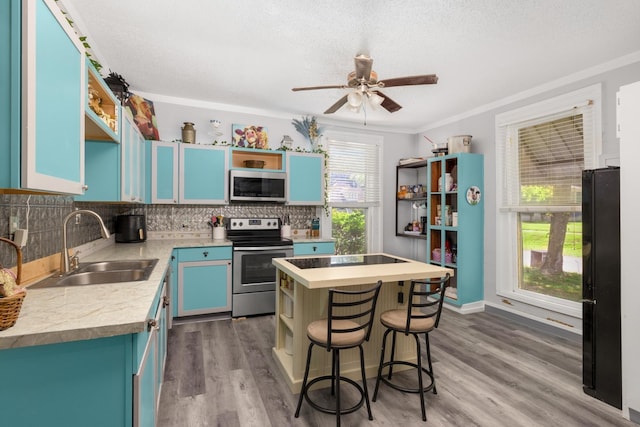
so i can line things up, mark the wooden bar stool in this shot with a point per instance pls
(348, 325)
(421, 316)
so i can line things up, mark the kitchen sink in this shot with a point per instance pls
(101, 272)
(137, 264)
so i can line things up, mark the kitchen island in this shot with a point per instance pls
(302, 297)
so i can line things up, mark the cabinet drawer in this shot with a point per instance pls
(204, 254)
(314, 248)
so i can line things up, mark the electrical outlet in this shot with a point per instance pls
(20, 238)
(13, 224)
(77, 219)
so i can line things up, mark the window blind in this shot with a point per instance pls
(353, 173)
(544, 159)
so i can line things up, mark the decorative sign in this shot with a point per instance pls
(144, 116)
(473, 195)
(250, 136)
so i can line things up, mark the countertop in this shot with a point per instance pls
(54, 315)
(317, 278)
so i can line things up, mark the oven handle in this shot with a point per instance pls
(262, 248)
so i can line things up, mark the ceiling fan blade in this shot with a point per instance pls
(337, 105)
(295, 89)
(363, 67)
(427, 79)
(388, 104)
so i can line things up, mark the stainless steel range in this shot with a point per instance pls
(256, 241)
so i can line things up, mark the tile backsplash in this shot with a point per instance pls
(42, 215)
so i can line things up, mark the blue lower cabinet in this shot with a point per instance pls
(174, 283)
(314, 248)
(144, 384)
(150, 349)
(70, 384)
(102, 382)
(204, 280)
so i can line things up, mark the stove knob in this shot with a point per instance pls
(240, 223)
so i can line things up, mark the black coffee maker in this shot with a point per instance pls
(423, 222)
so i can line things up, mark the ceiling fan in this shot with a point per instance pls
(366, 86)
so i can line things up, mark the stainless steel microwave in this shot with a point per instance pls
(257, 186)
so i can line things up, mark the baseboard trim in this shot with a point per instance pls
(474, 307)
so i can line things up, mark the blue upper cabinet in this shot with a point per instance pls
(116, 172)
(44, 116)
(164, 172)
(203, 174)
(10, 90)
(188, 173)
(132, 172)
(305, 178)
(53, 79)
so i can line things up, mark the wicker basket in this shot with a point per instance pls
(10, 306)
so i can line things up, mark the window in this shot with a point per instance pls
(542, 150)
(354, 185)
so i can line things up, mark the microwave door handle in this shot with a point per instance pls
(262, 248)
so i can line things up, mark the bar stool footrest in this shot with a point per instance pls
(333, 410)
(389, 382)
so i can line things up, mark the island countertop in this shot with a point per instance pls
(318, 278)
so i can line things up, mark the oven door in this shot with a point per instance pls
(253, 270)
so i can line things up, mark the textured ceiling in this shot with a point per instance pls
(250, 53)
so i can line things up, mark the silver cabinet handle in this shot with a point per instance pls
(152, 324)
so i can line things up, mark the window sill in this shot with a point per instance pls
(558, 305)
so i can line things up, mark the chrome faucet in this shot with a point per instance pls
(64, 255)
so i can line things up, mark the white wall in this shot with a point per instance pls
(482, 127)
(629, 208)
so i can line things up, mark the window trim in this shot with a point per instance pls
(507, 251)
(374, 214)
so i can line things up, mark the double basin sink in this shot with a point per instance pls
(101, 272)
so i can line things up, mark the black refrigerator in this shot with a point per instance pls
(601, 329)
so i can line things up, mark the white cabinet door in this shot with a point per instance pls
(203, 174)
(306, 178)
(164, 172)
(132, 151)
(53, 94)
(147, 381)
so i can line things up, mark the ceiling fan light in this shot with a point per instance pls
(354, 99)
(354, 109)
(375, 99)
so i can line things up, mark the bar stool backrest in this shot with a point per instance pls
(425, 305)
(340, 300)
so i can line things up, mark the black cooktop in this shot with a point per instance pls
(343, 261)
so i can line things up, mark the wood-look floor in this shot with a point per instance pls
(490, 371)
